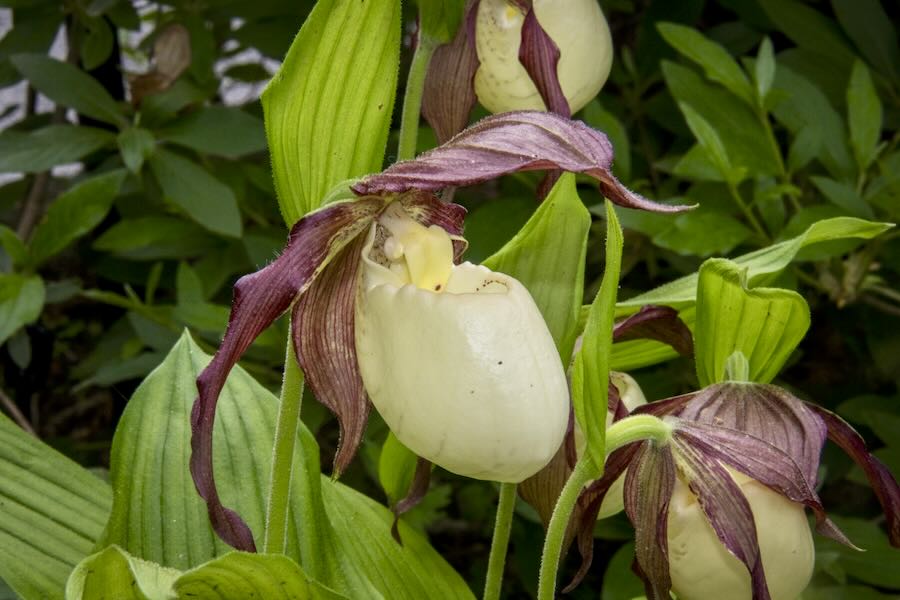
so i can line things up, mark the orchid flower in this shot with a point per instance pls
(381, 309)
(719, 510)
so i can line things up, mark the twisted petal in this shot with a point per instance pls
(509, 143)
(648, 490)
(766, 412)
(660, 323)
(883, 483)
(539, 54)
(259, 299)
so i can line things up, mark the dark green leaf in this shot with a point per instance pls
(494, 223)
(97, 43)
(594, 115)
(810, 29)
(875, 566)
(439, 19)
(75, 213)
(764, 72)
(51, 512)
(67, 85)
(13, 246)
(702, 234)
(328, 108)
(712, 144)
(49, 146)
(136, 145)
(864, 115)
(873, 32)
(204, 198)
(718, 65)
(21, 301)
(844, 196)
(619, 582)
(152, 238)
(219, 130)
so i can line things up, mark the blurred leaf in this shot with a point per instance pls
(439, 19)
(702, 234)
(396, 466)
(810, 29)
(204, 198)
(806, 145)
(763, 324)
(875, 566)
(114, 573)
(873, 32)
(136, 145)
(21, 302)
(844, 592)
(718, 65)
(712, 144)
(151, 238)
(494, 223)
(844, 196)
(13, 246)
(549, 264)
(864, 115)
(41, 149)
(619, 582)
(746, 143)
(36, 26)
(74, 214)
(328, 109)
(219, 130)
(124, 15)
(51, 512)
(160, 107)
(760, 264)
(590, 369)
(69, 86)
(764, 72)
(96, 44)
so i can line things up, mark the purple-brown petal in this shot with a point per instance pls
(883, 483)
(509, 143)
(649, 483)
(259, 299)
(725, 506)
(766, 412)
(660, 323)
(539, 54)
(763, 462)
(324, 341)
(449, 93)
(417, 490)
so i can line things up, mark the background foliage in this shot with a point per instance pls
(136, 188)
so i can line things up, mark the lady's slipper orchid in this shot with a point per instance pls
(456, 358)
(319, 273)
(563, 46)
(746, 456)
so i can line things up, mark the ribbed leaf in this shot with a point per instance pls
(547, 256)
(340, 537)
(51, 512)
(328, 109)
(764, 324)
(113, 573)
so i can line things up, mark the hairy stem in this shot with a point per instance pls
(283, 454)
(412, 99)
(499, 544)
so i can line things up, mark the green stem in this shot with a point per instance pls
(500, 542)
(621, 433)
(748, 212)
(283, 454)
(412, 99)
(584, 471)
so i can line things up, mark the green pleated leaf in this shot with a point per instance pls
(204, 198)
(717, 63)
(21, 302)
(41, 149)
(75, 213)
(590, 370)
(328, 109)
(340, 537)
(69, 86)
(51, 512)
(763, 324)
(760, 263)
(113, 573)
(238, 575)
(547, 256)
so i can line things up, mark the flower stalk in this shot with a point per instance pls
(500, 542)
(283, 454)
(412, 98)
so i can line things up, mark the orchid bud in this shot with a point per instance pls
(577, 27)
(456, 358)
(701, 567)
